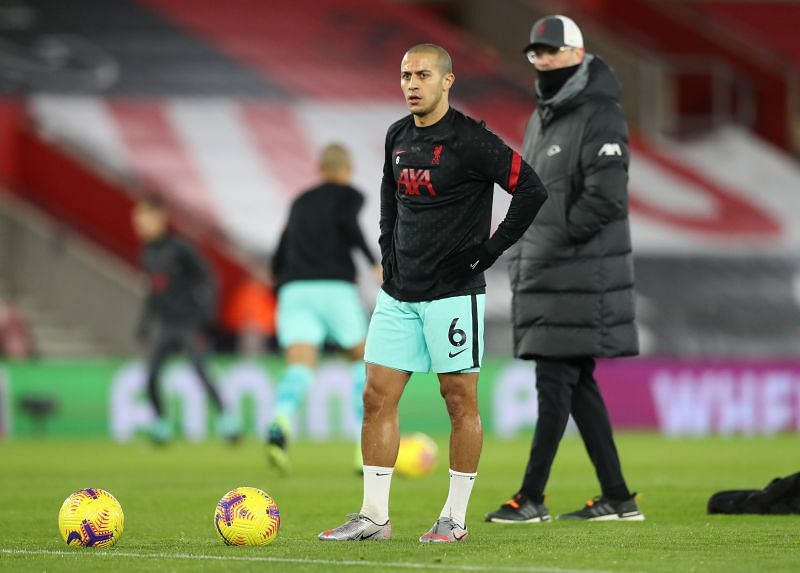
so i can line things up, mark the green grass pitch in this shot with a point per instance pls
(169, 496)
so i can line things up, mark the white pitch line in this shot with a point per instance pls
(389, 564)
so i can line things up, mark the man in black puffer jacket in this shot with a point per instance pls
(572, 273)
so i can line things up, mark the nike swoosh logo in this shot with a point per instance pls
(400, 152)
(373, 534)
(388, 474)
(454, 354)
(457, 538)
(475, 264)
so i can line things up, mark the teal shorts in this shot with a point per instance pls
(311, 312)
(444, 335)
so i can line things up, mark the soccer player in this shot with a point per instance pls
(179, 306)
(317, 296)
(436, 196)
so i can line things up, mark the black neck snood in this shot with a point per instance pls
(551, 81)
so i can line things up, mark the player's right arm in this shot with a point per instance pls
(388, 210)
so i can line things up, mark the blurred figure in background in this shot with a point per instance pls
(318, 298)
(572, 273)
(179, 307)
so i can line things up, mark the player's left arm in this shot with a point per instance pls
(604, 163)
(193, 264)
(278, 263)
(490, 158)
(201, 277)
(506, 167)
(351, 227)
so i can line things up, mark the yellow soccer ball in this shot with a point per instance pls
(91, 517)
(247, 516)
(417, 456)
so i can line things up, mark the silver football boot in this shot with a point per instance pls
(358, 528)
(445, 530)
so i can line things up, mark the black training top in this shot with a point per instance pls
(436, 201)
(320, 235)
(182, 288)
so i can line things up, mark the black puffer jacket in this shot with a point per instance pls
(572, 271)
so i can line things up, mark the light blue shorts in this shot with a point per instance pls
(311, 312)
(444, 335)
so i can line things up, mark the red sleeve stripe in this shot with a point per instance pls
(513, 175)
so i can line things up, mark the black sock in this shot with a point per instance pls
(618, 493)
(535, 498)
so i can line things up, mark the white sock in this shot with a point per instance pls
(457, 500)
(377, 481)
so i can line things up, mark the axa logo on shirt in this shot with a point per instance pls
(610, 149)
(411, 180)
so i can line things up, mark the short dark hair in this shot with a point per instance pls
(442, 56)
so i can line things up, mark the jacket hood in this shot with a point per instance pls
(593, 80)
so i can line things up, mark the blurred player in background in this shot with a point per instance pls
(318, 297)
(439, 173)
(572, 274)
(178, 308)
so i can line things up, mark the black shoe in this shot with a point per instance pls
(276, 436)
(606, 509)
(520, 509)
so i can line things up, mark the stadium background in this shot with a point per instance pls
(222, 112)
(221, 108)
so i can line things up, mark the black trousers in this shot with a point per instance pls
(567, 386)
(172, 339)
